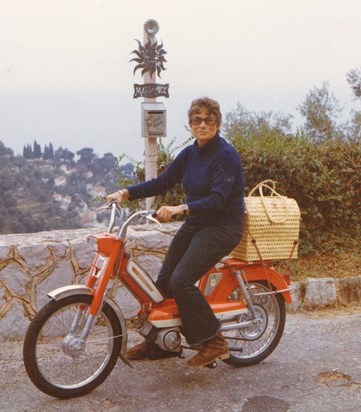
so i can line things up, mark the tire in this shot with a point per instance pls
(252, 345)
(59, 369)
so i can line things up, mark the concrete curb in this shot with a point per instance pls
(322, 293)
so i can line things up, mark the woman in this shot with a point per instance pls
(211, 172)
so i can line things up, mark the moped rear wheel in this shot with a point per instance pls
(251, 345)
(57, 361)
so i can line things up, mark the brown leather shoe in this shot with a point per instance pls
(215, 348)
(149, 350)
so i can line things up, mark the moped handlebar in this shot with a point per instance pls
(148, 214)
(117, 211)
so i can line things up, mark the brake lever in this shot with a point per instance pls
(152, 217)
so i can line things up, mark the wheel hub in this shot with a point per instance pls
(259, 324)
(73, 346)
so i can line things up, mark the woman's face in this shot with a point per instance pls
(204, 126)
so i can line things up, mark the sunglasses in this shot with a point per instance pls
(209, 121)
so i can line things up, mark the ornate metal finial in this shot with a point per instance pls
(150, 58)
(151, 27)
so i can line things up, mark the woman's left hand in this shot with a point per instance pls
(167, 213)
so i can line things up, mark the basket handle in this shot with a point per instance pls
(266, 184)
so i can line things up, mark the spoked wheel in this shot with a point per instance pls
(252, 344)
(56, 359)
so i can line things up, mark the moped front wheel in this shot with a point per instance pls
(252, 344)
(57, 360)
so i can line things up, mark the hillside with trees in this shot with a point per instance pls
(47, 189)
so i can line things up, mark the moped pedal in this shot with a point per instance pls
(211, 365)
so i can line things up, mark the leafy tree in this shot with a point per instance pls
(28, 152)
(37, 151)
(5, 151)
(321, 109)
(86, 156)
(106, 164)
(19, 161)
(127, 170)
(354, 80)
(63, 156)
(48, 152)
(354, 126)
(51, 151)
(249, 125)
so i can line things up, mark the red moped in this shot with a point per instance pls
(75, 340)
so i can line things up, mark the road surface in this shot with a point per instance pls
(316, 367)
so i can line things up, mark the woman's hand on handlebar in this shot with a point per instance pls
(118, 196)
(167, 213)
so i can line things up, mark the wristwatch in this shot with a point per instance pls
(185, 209)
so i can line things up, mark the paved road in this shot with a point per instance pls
(316, 367)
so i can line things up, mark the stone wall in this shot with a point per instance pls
(33, 264)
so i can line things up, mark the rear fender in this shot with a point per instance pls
(72, 290)
(265, 273)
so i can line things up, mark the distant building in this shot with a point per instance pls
(57, 197)
(65, 202)
(60, 181)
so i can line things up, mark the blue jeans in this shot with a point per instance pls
(192, 252)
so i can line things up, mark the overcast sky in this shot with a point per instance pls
(66, 75)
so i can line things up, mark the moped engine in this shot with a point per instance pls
(169, 339)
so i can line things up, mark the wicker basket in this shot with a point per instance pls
(271, 226)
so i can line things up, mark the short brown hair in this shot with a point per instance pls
(205, 103)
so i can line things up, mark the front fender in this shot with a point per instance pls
(69, 290)
(72, 290)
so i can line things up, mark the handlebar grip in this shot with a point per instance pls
(155, 215)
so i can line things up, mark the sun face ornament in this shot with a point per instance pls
(150, 58)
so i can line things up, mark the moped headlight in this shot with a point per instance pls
(93, 244)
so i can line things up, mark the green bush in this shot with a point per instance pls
(323, 178)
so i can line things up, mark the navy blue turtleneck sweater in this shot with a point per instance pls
(212, 177)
